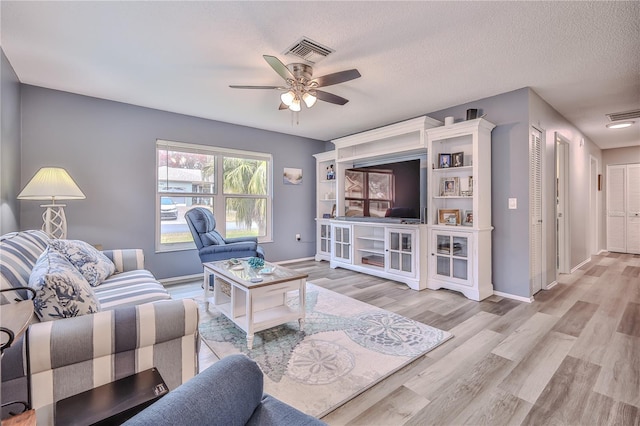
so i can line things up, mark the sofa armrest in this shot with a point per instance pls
(72, 355)
(126, 259)
(225, 394)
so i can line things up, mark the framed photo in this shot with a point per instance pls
(457, 159)
(468, 218)
(449, 217)
(450, 187)
(444, 161)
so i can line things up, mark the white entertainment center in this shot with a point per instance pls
(449, 244)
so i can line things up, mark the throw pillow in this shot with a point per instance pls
(61, 290)
(94, 266)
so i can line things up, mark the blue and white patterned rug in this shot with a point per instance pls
(347, 346)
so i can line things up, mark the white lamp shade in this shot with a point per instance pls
(287, 97)
(51, 183)
(295, 105)
(309, 99)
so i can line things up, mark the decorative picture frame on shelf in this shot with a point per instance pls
(444, 161)
(449, 217)
(466, 187)
(450, 187)
(457, 159)
(468, 218)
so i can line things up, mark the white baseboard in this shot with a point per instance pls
(513, 296)
(581, 265)
(551, 285)
(180, 280)
(602, 251)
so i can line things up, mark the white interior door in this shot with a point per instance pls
(616, 208)
(535, 211)
(633, 208)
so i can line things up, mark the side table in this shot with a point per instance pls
(14, 322)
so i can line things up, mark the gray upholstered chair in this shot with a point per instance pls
(211, 245)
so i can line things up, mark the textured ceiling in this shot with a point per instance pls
(583, 58)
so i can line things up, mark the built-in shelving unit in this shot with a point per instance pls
(459, 208)
(325, 202)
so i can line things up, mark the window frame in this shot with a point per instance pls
(217, 194)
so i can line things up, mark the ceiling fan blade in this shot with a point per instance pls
(282, 106)
(336, 77)
(258, 87)
(330, 97)
(279, 67)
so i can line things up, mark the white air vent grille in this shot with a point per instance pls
(309, 50)
(627, 115)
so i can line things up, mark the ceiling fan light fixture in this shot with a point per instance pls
(620, 124)
(309, 99)
(295, 104)
(288, 97)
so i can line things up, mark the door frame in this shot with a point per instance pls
(562, 205)
(594, 206)
(543, 223)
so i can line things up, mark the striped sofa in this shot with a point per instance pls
(138, 327)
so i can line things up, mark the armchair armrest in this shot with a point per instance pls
(241, 240)
(73, 355)
(126, 259)
(229, 248)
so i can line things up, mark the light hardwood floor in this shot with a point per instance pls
(572, 357)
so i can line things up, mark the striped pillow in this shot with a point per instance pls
(19, 252)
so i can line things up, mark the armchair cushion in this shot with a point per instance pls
(61, 291)
(94, 266)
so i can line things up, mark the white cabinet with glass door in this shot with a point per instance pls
(326, 177)
(341, 244)
(401, 248)
(323, 250)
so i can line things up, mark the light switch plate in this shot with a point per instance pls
(513, 203)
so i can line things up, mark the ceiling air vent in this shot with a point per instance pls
(309, 50)
(628, 115)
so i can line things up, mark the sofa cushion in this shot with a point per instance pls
(19, 253)
(61, 291)
(130, 289)
(94, 266)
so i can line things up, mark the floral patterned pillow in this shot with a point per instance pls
(94, 266)
(61, 291)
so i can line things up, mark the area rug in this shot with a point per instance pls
(346, 347)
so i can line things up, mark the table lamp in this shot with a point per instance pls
(52, 183)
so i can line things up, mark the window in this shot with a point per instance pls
(234, 185)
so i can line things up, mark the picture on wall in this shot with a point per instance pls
(292, 176)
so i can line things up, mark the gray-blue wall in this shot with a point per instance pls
(109, 150)
(509, 179)
(9, 146)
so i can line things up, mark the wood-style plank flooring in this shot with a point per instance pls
(572, 357)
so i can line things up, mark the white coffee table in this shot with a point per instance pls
(254, 306)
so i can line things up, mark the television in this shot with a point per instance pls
(407, 188)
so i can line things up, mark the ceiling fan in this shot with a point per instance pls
(301, 86)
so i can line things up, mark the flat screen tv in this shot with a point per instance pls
(373, 189)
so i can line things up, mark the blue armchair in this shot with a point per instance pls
(211, 245)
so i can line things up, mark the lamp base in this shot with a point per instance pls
(54, 221)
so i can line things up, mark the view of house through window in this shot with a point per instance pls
(234, 185)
